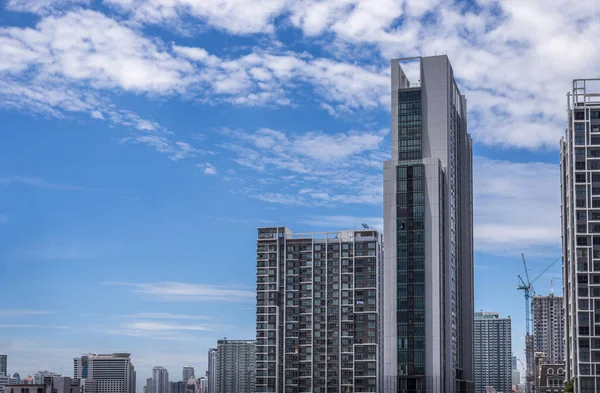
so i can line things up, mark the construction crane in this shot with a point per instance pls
(529, 292)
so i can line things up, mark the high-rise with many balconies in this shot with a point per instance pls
(580, 194)
(236, 366)
(493, 349)
(549, 328)
(428, 229)
(318, 311)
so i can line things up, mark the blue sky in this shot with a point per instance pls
(144, 141)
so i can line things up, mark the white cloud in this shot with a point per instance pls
(209, 169)
(161, 326)
(23, 312)
(178, 291)
(233, 16)
(327, 168)
(517, 206)
(41, 183)
(41, 6)
(343, 222)
(164, 315)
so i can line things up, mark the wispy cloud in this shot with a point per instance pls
(164, 315)
(41, 183)
(31, 326)
(516, 207)
(178, 291)
(3, 219)
(162, 326)
(22, 312)
(343, 222)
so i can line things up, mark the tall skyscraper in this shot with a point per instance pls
(160, 380)
(549, 328)
(580, 193)
(492, 352)
(236, 366)
(104, 373)
(148, 387)
(212, 370)
(3, 364)
(318, 311)
(428, 229)
(187, 373)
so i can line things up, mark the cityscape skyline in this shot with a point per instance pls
(119, 221)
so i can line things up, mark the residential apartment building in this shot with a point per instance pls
(428, 229)
(318, 311)
(580, 194)
(236, 366)
(549, 328)
(493, 349)
(160, 380)
(212, 370)
(105, 373)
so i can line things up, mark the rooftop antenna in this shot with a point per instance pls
(365, 226)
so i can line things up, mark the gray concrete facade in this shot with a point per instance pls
(434, 222)
(212, 370)
(318, 325)
(580, 208)
(493, 350)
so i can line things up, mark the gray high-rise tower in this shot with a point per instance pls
(580, 197)
(492, 352)
(428, 229)
(160, 380)
(318, 311)
(549, 328)
(3, 363)
(212, 370)
(187, 373)
(236, 366)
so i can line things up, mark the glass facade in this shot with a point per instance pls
(410, 208)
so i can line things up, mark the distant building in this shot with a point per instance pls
(212, 370)
(549, 328)
(177, 387)
(492, 352)
(202, 385)
(236, 366)
(132, 379)
(514, 362)
(3, 364)
(28, 380)
(105, 373)
(187, 373)
(17, 378)
(6, 380)
(52, 385)
(148, 387)
(40, 376)
(516, 377)
(160, 380)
